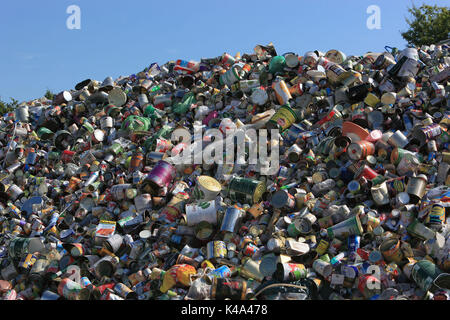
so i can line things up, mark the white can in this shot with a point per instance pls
(203, 211)
(322, 267)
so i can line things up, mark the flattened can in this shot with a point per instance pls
(216, 250)
(244, 190)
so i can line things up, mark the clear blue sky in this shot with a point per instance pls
(38, 52)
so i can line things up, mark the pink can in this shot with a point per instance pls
(162, 174)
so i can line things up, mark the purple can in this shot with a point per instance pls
(209, 117)
(162, 174)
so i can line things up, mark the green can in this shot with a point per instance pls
(116, 149)
(244, 190)
(44, 133)
(424, 273)
(282, 119)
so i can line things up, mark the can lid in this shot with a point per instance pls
(353, 186)
(403, 198)
(279, 199)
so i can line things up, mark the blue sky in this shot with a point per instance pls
(38, 51)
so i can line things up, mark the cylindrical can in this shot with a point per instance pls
(113, 243)
(281, 91)
(436, 215)
(231, 76)
(206, 189)
(398, 139)
(390, 249)
(221, 272)
(230, 219)
(351, 226)
(15, 192)
(161, 175)
(203, 211)
(244, 190)
(380, 194)
(294, 153)
(282, 119)
(424, 273)
(118, 191)
(416, 187)
(250, 269)
(290, 272)
(322, 247)
(106, 122)
(424, 134)
(125, 292)
(69, 289)
(283, 199)
(353, 245)
(228, 289)
(137, 162)
(322, 267)
(216, 250)
(360, 150)
(420, 231)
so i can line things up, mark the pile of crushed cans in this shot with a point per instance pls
(92, 208)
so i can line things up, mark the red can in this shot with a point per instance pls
(67, 156)
(360, 150)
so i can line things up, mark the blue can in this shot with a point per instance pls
(229, 220)
(353, 245)
(221, 272)
(293, 133)
(50, 295)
